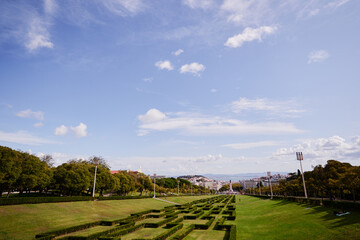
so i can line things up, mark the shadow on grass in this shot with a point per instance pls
(327, 214)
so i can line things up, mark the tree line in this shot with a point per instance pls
(335, 180)
(25, 173)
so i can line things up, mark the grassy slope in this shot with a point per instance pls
(266, 219)
(25, 221)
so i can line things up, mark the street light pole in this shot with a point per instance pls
(178, 186)
(96, 162)
(299, 157)
(269, 175)
(154, 185)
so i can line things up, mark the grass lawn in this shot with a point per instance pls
(205, 235)
(144, 233)
(276, 219)
(25, 221)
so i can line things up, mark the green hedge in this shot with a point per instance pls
(232, 235)
(184, 234)
(206, 225)
(34, 200)
(68, 230)
(126, 230)
(159, 224)
(169, 233)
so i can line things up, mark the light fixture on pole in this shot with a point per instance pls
(299, 157)
(259, 186)
(178, 186)
(269, 175)
(96, 162)
(154, 184)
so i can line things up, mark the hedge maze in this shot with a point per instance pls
(211, 218)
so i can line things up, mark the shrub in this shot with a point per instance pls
(232, 235)
(168, 233)
(185, 233)
(68, 230)
(206, 225)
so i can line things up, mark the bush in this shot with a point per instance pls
(168, 233)
(232, 235)
(184, 234)
(126, 230)
(206, 225)
(158, 224)
(33, 200)
(68, 230)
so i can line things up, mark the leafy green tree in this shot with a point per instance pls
(10, 169)
(126, 183)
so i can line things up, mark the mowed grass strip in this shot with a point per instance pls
(277, 219)
(25, 221)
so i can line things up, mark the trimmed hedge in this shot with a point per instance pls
(232, 235)
(184, 234)
(169, 233)
(126, 231)
(206, 225)
(67, 230)
(158, 224)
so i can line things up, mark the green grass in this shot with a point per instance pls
(276, 219)
(25, 221)
(205, 235)
(145, 233)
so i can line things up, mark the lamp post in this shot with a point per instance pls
(178, 186)
(269, 175)
(299, 157)
(154, 185)
(96, 162)
(191, 188)
(260, 186)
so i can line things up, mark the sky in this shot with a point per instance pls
(182, 86)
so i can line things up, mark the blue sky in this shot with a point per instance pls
(182, 87)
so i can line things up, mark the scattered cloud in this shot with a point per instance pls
(283, 108)
(50, 7)
(23, 137)
(337, 3)
(39, 124)
(334, 147)
(213, 90)
(194, 68)
(195, 124)
(38, 35)
(204, 4)
(124, 7)
(80, 130)
(61, 130)
(164, 65)
(28, 113)
(149, 80)
(248, 145)
(178, 52)
(317, 56)
(249, 34)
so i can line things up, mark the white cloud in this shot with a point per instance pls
(213, 90)
(248, 145)
(149, 80)
(178, 52)
(39, 124)
(80, 130)
(152, 115)
(124, 7)
(61, 130)
(50, 7)
(249, 34)
(283, 108)
(194, 68)
(338, 3)
(247, 12)
(317, 56)
(204, 4)
(28, 113)
(164, 65)
(23, 137)
(38, 35)
(334, 147)
(195, 124)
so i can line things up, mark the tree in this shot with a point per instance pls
(10, 169)
(73, 177)
(126, 183)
